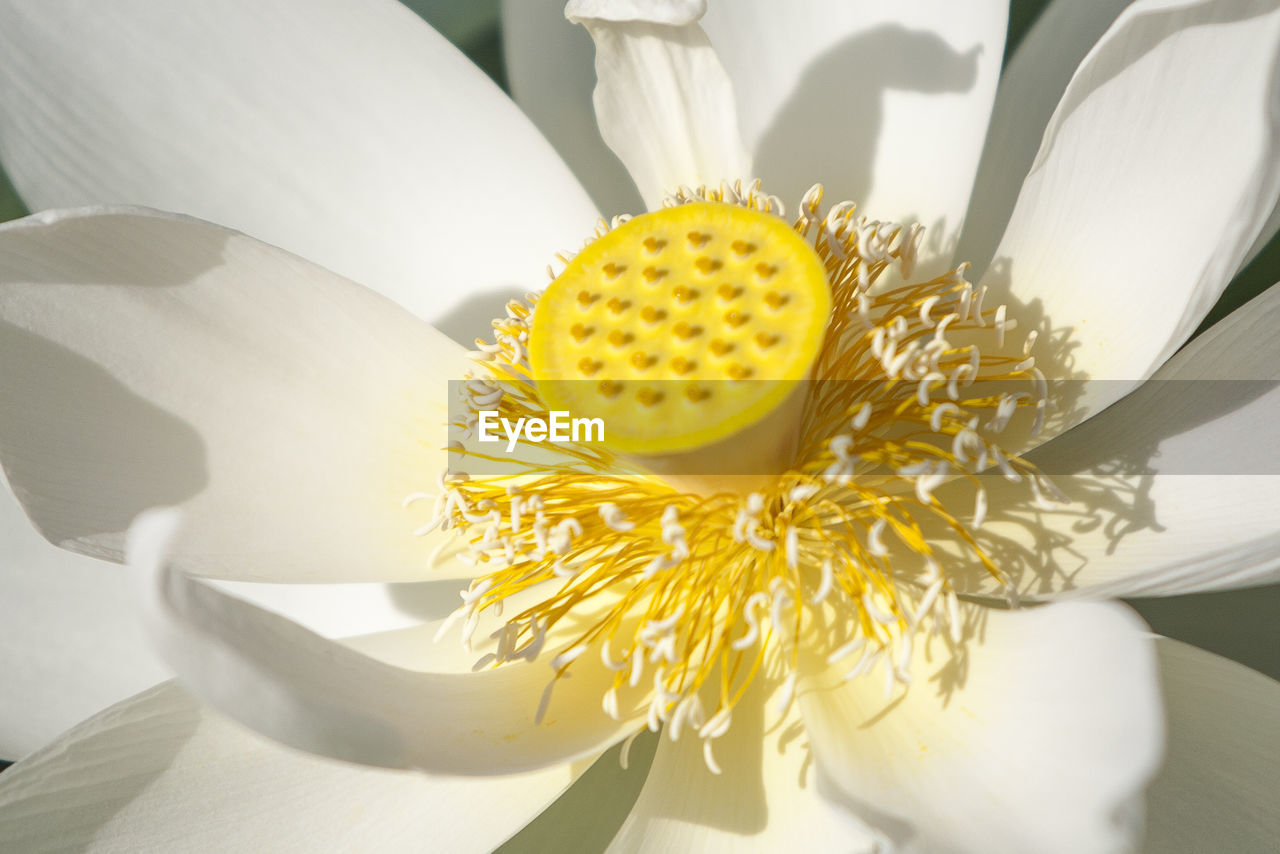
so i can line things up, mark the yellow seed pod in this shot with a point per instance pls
(681, 327)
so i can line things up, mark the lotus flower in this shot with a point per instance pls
(161, 360)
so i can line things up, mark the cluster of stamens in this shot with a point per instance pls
(696, 594)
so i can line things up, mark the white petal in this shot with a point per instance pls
(885, 104)
(1216, 791)
(1155, 177)
(346, 131)
(347, 610)
(851, 95)
(159, 772)
(551, 69)
(1031, 85)
(1174, 489)
(665, 105)
(1038, 739)
(436, 646)
(69, 643)
(671, 12)
(550, 65)
(156, 360)
(767, 798)
(299, 688)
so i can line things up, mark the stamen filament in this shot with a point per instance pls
(703, 594)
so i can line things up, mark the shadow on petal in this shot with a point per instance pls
(76, 399)
(861, 69)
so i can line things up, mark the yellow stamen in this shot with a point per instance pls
(691, 591)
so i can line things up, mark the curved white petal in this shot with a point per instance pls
(1216, 791)
(1157, 173)
(346, 131)
(550, 65)
(159, 772)
(674, 13)
(1039, 738)
(153, 360)
(663, 101)
(69, 643)
(354, 609)
(1174, 489)
(1031, 85)
(436, 645)
(315, 694)
(766, 799)
(885, 104)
